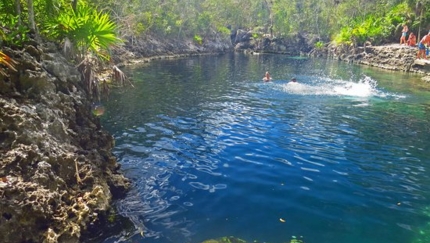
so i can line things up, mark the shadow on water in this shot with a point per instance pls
(212, 150)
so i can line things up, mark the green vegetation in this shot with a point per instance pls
(319, 45)
(86, 32)
(89, 29)
(198, 39)
(375, 27)
(94, 26)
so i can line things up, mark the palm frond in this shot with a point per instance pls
(7, 61)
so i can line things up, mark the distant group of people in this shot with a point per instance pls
(423, 45)
(267, 77)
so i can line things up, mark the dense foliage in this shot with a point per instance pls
(93, 26)
(342, 20)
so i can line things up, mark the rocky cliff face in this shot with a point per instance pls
(57, 172)
(148, 48)
(393, 57)
(255, 42)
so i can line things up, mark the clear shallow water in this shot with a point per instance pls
(340, 156)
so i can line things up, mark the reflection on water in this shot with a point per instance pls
(339, 156)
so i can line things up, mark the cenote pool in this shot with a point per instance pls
(342, 156)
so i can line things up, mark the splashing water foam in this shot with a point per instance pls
(365, 87)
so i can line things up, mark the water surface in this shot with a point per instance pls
(212, 150)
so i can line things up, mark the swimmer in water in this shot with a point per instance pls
(267, 77)
(293, 79)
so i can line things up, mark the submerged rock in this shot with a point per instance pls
(232, 239)
(227, 239)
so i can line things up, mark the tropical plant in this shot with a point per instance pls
(373, 27)
(13, 33)
(319, 45)
(90, 32)
(198, 39)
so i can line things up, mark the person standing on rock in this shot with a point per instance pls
(412, 40)
(404, 33)
(422, 46)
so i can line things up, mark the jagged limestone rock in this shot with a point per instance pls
(57, 172)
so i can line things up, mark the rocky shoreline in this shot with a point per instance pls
(149, 48)
(57, 172)
(392, 57)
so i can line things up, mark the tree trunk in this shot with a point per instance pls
(419, 28)
(269, 9)
(31, 15)
(32, 22)
(18, 11)
(74, 4)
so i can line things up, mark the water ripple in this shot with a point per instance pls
(339, 159)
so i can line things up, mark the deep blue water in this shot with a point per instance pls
(212, 151)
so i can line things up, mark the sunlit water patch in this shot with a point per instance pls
(339, 156)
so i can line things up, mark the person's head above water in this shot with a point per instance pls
(293, 79)
(267, 77)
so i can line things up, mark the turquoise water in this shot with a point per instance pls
(340, 156)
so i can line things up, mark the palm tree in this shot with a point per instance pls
(91, 33)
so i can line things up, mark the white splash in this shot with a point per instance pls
(365, 87)
(360, 89)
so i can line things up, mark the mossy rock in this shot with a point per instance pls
(231, 239)
(296, 241)
(227, 239)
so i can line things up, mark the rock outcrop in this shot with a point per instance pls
(390, 57)
(147, 48)
(57, 172)
(257, 42)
